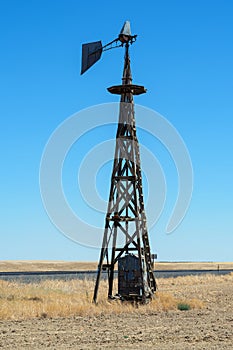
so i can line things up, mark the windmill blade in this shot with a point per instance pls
(91, 53)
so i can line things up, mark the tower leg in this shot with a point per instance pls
(111, 275)
(102, 254)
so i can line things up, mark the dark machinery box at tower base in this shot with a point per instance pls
(130, 283)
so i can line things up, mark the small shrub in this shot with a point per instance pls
(183, 306)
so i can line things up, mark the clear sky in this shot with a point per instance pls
(183, 56)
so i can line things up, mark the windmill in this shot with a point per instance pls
(125, 240)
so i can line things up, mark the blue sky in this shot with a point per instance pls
(183, 56)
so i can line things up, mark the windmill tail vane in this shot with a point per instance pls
(125, 239)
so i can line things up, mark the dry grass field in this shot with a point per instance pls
(60, 315)
(14, 266)
(57, 298)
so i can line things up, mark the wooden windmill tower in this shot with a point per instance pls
(125, 240)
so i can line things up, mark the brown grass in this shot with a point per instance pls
(6, 266)
(34, 265)
(57, 298)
